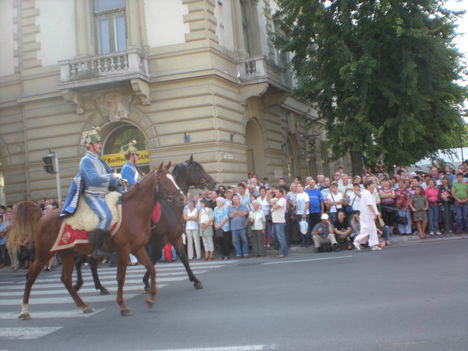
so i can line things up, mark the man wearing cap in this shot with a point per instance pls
(97, 177)
(129, 171)
(323, 234)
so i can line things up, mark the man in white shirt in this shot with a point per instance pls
(368, 214)
(302, 211)
(334, 202)
(278, 211)
(345, 184)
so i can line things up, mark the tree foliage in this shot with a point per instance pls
(383, 73)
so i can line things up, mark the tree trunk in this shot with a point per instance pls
(356, 162)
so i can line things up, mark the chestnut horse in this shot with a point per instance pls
(170, 227)
(137, 207)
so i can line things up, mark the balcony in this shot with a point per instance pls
(103, 69)
(261, 69)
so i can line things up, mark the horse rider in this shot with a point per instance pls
(129, 171)
(94, 180)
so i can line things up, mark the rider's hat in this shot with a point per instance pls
(90, 136)
(129, 149)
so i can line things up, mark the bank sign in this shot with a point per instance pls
(117, 160)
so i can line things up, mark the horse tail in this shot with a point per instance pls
(26, 216)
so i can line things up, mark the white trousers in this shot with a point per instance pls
(208, 243)
(193, 236)
(368, 232)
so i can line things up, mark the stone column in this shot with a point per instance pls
(239, 40)
(85, 42)
(136, 36)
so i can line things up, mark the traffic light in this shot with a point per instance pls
(49, 164)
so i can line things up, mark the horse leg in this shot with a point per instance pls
(93, 265)
(67, 280)
(184, 259)
(122, 261)
(79, 276)
(155, 256)
(142, 256)
(31, 276)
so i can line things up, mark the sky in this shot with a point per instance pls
(462, 40)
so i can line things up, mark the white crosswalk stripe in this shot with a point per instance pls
(48, 292)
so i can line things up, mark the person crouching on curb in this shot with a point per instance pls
(323, 234)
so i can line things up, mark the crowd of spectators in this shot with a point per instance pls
(253, 216)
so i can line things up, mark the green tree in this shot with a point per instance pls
(383, 74)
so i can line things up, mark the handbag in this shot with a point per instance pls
(349, 208)
(303, 226)
(403, 220)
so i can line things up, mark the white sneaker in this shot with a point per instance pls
(438, 233)
(357, 245)
(431, 233)
(376, 248)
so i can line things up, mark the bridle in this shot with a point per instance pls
(170, 197)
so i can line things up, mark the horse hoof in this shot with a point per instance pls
(198, 285)
(24, 316)
(149, 302)
(126, 313)
(87, 309)
(105, 292)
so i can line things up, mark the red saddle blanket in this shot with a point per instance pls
(69, 237)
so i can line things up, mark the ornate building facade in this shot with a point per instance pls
(181, 77)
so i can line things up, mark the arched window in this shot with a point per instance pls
(291, 154)
(120, 136)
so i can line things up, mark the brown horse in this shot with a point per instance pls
(170, 227)
(137, 207)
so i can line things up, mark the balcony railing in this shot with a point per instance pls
(261, 69)
(104, 69)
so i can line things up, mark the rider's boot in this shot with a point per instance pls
(96, 238)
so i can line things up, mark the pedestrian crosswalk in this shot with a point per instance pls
(50, 301)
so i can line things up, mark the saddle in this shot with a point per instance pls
(74, 229)
(86, 219)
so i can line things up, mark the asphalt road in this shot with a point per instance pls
(407, 297)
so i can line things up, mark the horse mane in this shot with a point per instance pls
(184, 166)
(26, 215)
(135, 188)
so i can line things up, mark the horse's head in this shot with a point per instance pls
(191, 173)
(165, 186)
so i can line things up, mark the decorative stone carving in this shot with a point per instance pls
(114, 105)
(76, 98)
(142, 90)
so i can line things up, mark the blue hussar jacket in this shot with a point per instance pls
(94, 178)
(129, 173)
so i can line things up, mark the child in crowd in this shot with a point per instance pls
(419, 206)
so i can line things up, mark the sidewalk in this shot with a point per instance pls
(394, 240)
